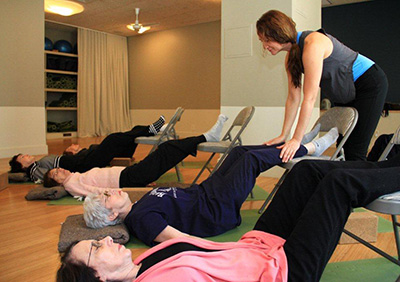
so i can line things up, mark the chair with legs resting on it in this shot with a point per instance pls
(227, 143)
(168, 133)
(387, 204)
(345, 119)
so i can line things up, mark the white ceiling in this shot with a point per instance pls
(112, 16)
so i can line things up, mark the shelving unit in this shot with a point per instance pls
(61, 92)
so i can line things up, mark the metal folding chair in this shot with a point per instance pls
(169, 133)
(227, 143)
(345, 119)
(385, 205)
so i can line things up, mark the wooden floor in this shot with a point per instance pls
(29, 230)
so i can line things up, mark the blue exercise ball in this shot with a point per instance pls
(63, 46)
(48, 44)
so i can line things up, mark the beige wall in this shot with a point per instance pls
(179, 67)
(22, 112)
(248, 77)
(22, 41)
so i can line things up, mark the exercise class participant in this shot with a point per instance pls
(119, 144)
(292, 241)
(346, 77)
(166, 156)
(207, 209)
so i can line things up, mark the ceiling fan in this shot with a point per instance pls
(140, 28)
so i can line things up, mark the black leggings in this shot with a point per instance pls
(371, 90)
(120, 144)
(311, 208)
(167, 155)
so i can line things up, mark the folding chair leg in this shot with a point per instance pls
(277, 185)
(375, 249)
(396, 234)
(202, 169)
(220, 161)
(178, 173)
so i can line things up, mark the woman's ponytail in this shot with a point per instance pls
(295, 65)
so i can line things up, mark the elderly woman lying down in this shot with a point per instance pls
(293, 239)
(166, 156)
(207, 209)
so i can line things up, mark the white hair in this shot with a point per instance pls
(96, 214)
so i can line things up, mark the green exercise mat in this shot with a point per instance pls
(65, 201)
(369, 270)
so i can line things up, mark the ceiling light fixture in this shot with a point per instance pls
(62, 7)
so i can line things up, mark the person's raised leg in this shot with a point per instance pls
(282, 214)
(214, 134)
(165, 157)
(236, 153)
(119, 144)
(317, 231)
(239, 179)
(318, 146)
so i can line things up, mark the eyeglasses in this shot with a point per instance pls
(96, 244)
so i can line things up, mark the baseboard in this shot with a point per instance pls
(31, 150)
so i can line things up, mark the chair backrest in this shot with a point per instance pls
(242, 120)
(394, 141)
(344, 118)
(169, 132)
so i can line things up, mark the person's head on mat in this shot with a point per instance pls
(92, 260)
(72, 149)
(55, 177)
(20, 162)
(108, 208)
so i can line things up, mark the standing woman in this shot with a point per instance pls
(346, 77)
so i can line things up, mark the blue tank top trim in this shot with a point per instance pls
(298, 36)
(361, 65)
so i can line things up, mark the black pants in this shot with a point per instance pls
(380, 145)
(167, 155)
(312, 206)
(120, 144)
(371, 90)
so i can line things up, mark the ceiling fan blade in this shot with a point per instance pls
(143, 29)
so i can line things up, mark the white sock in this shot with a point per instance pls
(324, 142)
(163, 127)
(214, 134)
(308, 137)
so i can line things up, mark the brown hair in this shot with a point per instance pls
(15, 165)
(277, 26)
(74, 271)
(48, 181)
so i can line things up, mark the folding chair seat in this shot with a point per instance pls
(345, 119)
(168, 133)
(227, 143)
(387, 204)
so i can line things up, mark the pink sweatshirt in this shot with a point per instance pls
(257, 256)
(82, 184)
